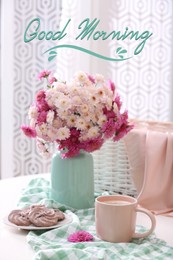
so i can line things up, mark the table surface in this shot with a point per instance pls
(13, 244)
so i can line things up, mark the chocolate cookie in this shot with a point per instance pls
(19, 217)
(43, 217)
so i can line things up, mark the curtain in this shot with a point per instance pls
(21, 63)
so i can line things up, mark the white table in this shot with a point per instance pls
(13, 243)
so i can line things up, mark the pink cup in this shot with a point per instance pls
(115, 217)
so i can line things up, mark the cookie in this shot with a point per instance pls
(59, 214)
(43, 217)
(19, 217)
(37, 215)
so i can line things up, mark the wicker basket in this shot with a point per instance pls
(112, 169)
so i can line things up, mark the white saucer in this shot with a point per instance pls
(61, 223)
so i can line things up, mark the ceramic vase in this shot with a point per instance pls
(72, 180)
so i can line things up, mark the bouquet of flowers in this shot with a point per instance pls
(77, 115)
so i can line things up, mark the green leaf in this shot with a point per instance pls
(53, 52)
(121, 56)
(118, 49)
(51, 58)
(123, 51)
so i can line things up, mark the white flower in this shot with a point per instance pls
(99, 78)
(100, 92)
(115, 108)
(50, 117)
(107, 101)
(81, 76)
(74, 89)
(93, 132)
(52, 133)
(80, 123)
(108, 92)
(84, 108)
(83, 136)
(94, 99)
(42, 147)
(71, 120)
(87, 116)
(63, 114)
(32, 123)
(88, 125)
(94, 118)
(57, 123)
(88, 83)
(63, 133)
(63, 102)
(32, 112)
(102, 120)
(61, 87)
(43, 128)
(76, 101)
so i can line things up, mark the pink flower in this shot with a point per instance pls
(92, 145)
(111, 85)
(118, 102)
(80, 236)
(40, 95)
(41, 102)
(109, 113)
(44, 74)
(28, 131)
(91, 78)
(74, 132)
(43, 106)
(51, 80)
(124, 129)
(109, 128)
(42, 117)
(73, 151)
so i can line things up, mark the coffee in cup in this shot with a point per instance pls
(115, 217)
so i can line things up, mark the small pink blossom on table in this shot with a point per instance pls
(80, 236)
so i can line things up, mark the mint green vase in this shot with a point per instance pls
(72, 180)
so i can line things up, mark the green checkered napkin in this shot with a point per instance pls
(53, 244)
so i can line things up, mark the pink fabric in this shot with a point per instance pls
(150, 151)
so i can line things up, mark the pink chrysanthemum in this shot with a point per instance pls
(40, 95)
(118, 102)
(122, 132)
(42, 117)
(28, 131)
(80, 236)
(73, 151)
(93, 144)
(109, 128)
(109, 113)
(91, 78)
(111, 85)
(44, 74)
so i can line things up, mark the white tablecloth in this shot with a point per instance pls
(13, 243)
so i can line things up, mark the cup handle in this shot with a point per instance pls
(153, 223)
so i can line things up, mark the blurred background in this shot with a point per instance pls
(144, 82)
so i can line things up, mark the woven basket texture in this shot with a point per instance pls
(112, 169)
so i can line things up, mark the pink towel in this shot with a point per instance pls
(150, 151)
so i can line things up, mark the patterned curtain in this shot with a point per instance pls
(145, 81)
(21, 64)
